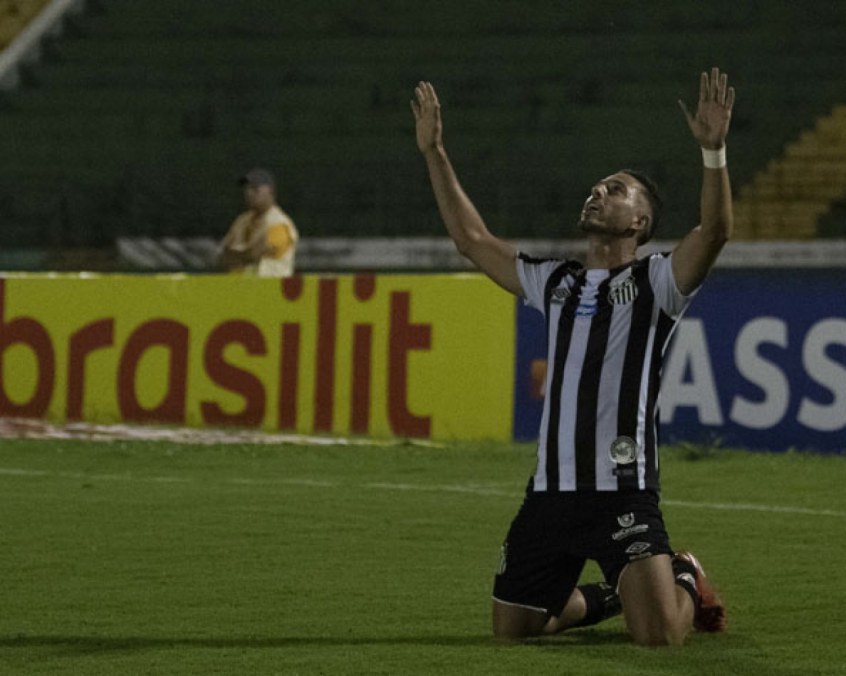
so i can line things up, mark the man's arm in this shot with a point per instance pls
(696, 253)
(493, 256)
(232, 256)
(226, 256)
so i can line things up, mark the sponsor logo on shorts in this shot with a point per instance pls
(624, 533)
(626, 520)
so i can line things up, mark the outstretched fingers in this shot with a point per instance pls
(427, 91)
(427, 116)
(730, 98)
(430, 91)
(714, 87)
(704, 88)
(425, 95)
(709, 122)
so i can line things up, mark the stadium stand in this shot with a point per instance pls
(14, 16)
(787, 198)
(138, 119)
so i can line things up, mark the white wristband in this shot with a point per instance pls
(714, 159)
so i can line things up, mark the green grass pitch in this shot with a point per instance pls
(138, 557)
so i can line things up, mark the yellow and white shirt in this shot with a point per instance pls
(280, 233)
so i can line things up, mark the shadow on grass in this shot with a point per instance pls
(104, 644)
(581, 637)
(733, 655)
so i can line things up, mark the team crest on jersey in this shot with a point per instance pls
(623, 450)
(623, 292)
(560, 295)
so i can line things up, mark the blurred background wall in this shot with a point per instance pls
(139, 116)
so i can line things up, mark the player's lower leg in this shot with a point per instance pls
(589, 604)
(709, 612)
(601, 603)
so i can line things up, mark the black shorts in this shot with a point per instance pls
(554, 534)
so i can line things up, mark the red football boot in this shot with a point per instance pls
(710, 613)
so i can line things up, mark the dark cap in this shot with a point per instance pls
(257, 177)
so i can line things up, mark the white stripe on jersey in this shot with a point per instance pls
(569, 402)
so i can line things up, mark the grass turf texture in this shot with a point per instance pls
(142, 557)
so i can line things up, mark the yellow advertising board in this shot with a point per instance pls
(427, 356)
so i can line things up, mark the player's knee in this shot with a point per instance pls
(512, 624)
(513, 633)
(666, 634)
(504, 636)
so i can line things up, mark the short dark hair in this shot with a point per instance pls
(257, 176)
(654, 199)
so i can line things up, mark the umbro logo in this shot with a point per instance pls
(560, 295)
(638, 547)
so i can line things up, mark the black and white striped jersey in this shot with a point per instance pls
(607, 332)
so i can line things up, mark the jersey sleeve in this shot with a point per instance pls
(667, 294)
(534, 274)
(279, 239)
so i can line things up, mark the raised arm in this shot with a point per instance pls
(696, 253)
(491, 255)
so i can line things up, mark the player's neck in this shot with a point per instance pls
(606, 253)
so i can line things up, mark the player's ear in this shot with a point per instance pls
(642, 223)
(641, 226)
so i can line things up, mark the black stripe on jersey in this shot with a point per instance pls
(566, 268)
(662, 332)
(562, 346)
(630, 382)
(587, 405)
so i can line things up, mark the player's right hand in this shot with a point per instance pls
(427, 117)
(710, 123)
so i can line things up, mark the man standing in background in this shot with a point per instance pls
(261, 241)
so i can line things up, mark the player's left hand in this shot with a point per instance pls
(710, 124)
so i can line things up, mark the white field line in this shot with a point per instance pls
(465, 489)
(751, 507)
(454, 488)
(12, 471)
(724, 506)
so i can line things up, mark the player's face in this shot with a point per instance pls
(258, 197)
(616, 206)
